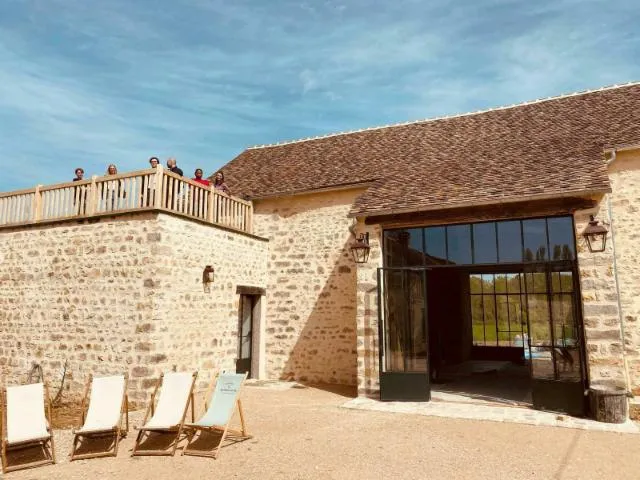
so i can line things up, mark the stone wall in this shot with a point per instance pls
(624, 173)
(311, 313)
(192, 328)
(600, 305)
(122, 293)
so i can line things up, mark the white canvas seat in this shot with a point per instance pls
(25, 423)
(168, 415)
(107, 406)
(219, 413)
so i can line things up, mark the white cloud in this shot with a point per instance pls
(97, 82)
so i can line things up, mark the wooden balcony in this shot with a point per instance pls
(152, 189)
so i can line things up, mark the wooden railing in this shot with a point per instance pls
(156, 188)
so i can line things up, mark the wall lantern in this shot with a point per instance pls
(596, 236)
(208, 275)
(360, 248)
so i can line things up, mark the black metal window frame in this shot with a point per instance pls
(521, 221)
(521, 295)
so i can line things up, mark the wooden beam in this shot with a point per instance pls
(514, 210)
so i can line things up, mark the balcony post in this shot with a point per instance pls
(211, 204)
(37, 204)
(93, 196)
(157, 202)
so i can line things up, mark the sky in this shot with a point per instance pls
(88, 83)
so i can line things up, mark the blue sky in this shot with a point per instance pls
(87, 83)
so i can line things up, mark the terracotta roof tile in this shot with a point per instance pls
(551, 147)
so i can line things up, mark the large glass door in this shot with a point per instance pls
(403, 333)
(555, 338)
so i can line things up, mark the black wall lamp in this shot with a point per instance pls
(208, 275)
(360, 248)
(596, 236)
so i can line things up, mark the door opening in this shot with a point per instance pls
(247, 322)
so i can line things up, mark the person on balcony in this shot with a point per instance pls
(173, 198)
(218, 183)
(173, 167)
(151, 185)
(113, 189)
(196, 196)
(79, 194)
(198, 178)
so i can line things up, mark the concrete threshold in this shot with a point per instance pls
(449, 406)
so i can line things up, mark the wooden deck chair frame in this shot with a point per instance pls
(193, 429)
(117, 432)
(179, 428)
(47, 443)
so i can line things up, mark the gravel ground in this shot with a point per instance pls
(303, 434)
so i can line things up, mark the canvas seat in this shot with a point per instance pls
(108, 407)
(176, 395)
(219, 413)
(25, 423)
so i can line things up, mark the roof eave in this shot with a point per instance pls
(545, 196)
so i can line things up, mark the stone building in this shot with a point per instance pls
(478, 262)
(479, 278)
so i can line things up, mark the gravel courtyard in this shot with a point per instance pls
(302, 433)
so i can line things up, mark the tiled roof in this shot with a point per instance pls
(546, 148)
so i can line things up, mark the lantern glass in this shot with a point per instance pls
(596, 236)
(360, 249)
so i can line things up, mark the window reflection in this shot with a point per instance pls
(561, 238)
(459, 244)
(535, 240)
(509, 242)
(435, 238)
(485, 249)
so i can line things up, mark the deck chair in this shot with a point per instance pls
(25, 423)
(219, 413)
(108, 407)
(169, 414)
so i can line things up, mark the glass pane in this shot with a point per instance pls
(564, 327)
(489, 309)
(535, 240)
(459, 244)
(515, 313)
(568, 364)
(513, 282)
(502, 309)
(245, 347)
(477, 320)
(417, 348)
(536, 282)
(488, 283)
(485, 249)
(566, 281)
(561, 238)
(395, 319)
(403, 248)
(501, 283)
(509, 242)
(475, 283)
(542, 363)
(436, 245)
(246, 316)
(539, 321)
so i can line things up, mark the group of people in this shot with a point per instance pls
(112, 193)
(218, 181)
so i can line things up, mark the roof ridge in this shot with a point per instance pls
(446, 117)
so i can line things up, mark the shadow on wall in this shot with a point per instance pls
(325, 341)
